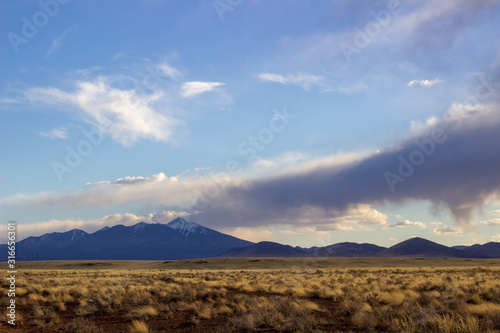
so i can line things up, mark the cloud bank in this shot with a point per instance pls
(453, 164)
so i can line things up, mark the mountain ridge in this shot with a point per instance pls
(141, 241)
(421, 247)
(184, 239)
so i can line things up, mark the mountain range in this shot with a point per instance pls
(179, 239)
(182, 239)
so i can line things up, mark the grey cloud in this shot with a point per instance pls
(441, 30)
(458, 169)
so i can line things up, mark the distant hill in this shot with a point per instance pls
(491, 249)
(459, 247)
(346, 249)
(264, 249)
(420, 247)
(179, 239)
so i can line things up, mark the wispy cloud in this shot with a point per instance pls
(286, 159)
(303, 80)
(424, 83)
(168, 70)
(56, 133)
(56, 43)
(135, 180)
(125, 115)
(191, 89)
(410, 30)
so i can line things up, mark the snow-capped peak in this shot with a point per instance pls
(185, 227)
(77, 234)
(139, 226)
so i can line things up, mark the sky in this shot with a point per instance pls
(302, 122)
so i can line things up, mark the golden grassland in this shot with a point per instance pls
(261, 263)
(263, 295)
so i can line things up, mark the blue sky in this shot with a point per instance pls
(276, 120)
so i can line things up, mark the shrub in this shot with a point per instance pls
(138, 326)
(144, 312)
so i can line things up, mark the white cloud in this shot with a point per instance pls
(286, 159)
(56, 133)
(201, 168)
(467, 115)
(133, 180)
(7, 100)
(492, 222)
(354, 217)
(405, 223)
(302, 80)
(127, 219)
(418, 127)
(495, 238)
(442, 230)
(191, 89)
(424, 83)
(124, 115)
(168, 70)
(298, 163)
(474, 114)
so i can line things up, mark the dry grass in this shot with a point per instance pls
(144, 312)
(138, 327)
(286, 300)
(81, 325)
